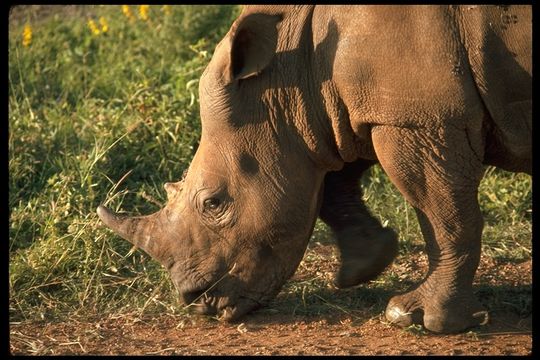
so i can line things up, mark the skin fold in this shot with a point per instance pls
(297, 102)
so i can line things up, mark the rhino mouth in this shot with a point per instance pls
(226, 308)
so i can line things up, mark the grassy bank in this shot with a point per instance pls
(103, 106)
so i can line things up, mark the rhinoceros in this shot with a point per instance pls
(296, 103)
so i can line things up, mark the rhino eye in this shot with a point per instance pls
(211, 203)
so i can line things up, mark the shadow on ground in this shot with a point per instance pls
(510, 307)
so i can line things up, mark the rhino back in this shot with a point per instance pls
(411, 66)
(396, 66)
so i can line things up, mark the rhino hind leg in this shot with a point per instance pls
(365, 247)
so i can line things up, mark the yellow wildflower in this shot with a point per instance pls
(143, 11)
(127, 11)
(27, 35)
(166, 9)
(93, 27)
(104, 25)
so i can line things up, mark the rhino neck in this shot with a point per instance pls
(300, 88)
(297, 61)
(348, 140)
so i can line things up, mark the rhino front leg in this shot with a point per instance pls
(365, 247)
(438, 173)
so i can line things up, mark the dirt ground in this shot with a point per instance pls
(280, 330)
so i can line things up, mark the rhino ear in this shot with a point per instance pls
(253, 44)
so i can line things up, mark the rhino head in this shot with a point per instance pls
(235, 228)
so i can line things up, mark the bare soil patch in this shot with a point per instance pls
(281, 329)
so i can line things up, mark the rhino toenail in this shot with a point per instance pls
(395, 314)
(479, 314)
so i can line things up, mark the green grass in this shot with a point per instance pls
(111, 117)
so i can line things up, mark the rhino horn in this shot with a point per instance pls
(141, 231)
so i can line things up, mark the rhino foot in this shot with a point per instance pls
(437, 312)
(363, 257)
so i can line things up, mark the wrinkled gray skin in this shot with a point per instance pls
(297, 97)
